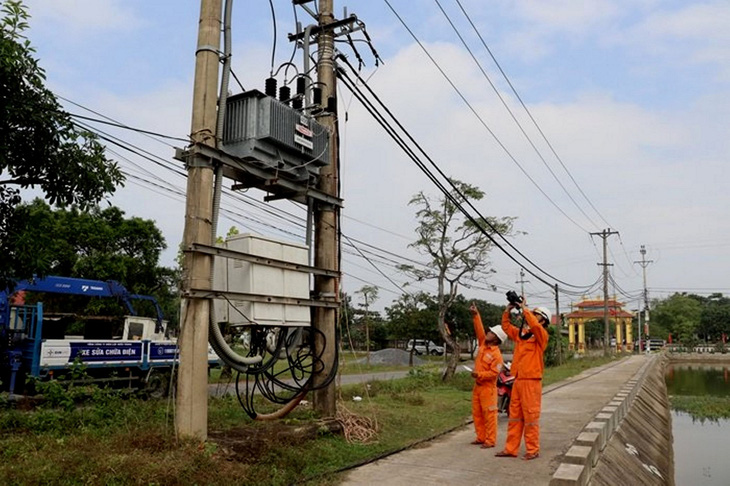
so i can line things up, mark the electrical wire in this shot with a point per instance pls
(401, 142)
(273, 23)
(512, 115)
(167, 165)
(119, 125)
(482, 122)
(534, 121)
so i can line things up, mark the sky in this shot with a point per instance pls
(630, 94)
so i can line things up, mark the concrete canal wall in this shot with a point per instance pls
(629, 441)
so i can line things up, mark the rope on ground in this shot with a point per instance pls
(356, 428)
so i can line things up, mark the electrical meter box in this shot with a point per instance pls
(255, 278)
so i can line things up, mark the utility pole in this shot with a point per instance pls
(605, 234)
(326, 221)
(645, 263)
(191, 417)
(522, 282)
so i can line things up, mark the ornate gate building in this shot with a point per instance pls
(592, 310)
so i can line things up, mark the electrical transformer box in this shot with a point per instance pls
(254, 278)
(263, 130)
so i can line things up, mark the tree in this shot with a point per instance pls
(370, 295)
(413, 316)
(40, 147)
(457, 248)
(679, 314)
(96, 244)
(715, 317)
(491, 315)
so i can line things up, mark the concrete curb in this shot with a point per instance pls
(577, 464)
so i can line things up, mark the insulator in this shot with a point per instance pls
(284, 94)
(301, 85)
(332, 104)
(270, 88)
(297, 102)
(317, 96)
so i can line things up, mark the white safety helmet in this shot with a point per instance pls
(497, 330)
(544, 313)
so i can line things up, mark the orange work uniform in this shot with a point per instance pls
(487, 366)
(526, 400)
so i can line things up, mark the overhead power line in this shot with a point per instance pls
(481, 120)
(532, 118)
(354, 88)
(512, 115)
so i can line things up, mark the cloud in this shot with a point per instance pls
(78, 18)
(697, 32)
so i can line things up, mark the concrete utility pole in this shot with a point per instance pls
(522, 282)
(645, 263)
(191, 418)
(605, 234)
(326, 222)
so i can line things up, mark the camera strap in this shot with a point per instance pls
(528, 334)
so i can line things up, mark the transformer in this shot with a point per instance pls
(267, 132)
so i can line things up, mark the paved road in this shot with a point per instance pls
(220, 389)
(566, 408)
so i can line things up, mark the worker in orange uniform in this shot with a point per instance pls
(487, 366)
(530, 339)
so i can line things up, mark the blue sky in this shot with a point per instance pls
(632, 94)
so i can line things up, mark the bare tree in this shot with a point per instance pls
(457, 248)
(370, 295)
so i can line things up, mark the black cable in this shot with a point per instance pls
(273, 22)
(530, 114)
(481, 120)
(240, 85)
(296, 22)
(512, 115)
(358, 94)
(119, 125)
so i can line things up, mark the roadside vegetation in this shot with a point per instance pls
(92, 435)
(707, 407)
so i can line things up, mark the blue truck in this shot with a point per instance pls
(130, 350)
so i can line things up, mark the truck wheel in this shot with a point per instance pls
(158, 385)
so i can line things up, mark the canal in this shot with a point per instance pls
(700, 397)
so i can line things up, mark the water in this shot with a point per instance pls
(701, 448)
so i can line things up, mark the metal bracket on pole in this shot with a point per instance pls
(270, 262)
(255, 176)
(267, 299)
(191, 160)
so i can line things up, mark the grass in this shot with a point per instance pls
(116, 441)
(574, 367)
(706, 407)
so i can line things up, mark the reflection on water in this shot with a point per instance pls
(701, 447)
(700, 451)
(698, 380)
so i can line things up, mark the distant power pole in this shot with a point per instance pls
(645, 263)
(191, 414)
(326, 222)
(605, 234)
(522, 282)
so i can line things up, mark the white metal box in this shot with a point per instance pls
(254, 278)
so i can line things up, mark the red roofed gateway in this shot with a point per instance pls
(593, 309)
